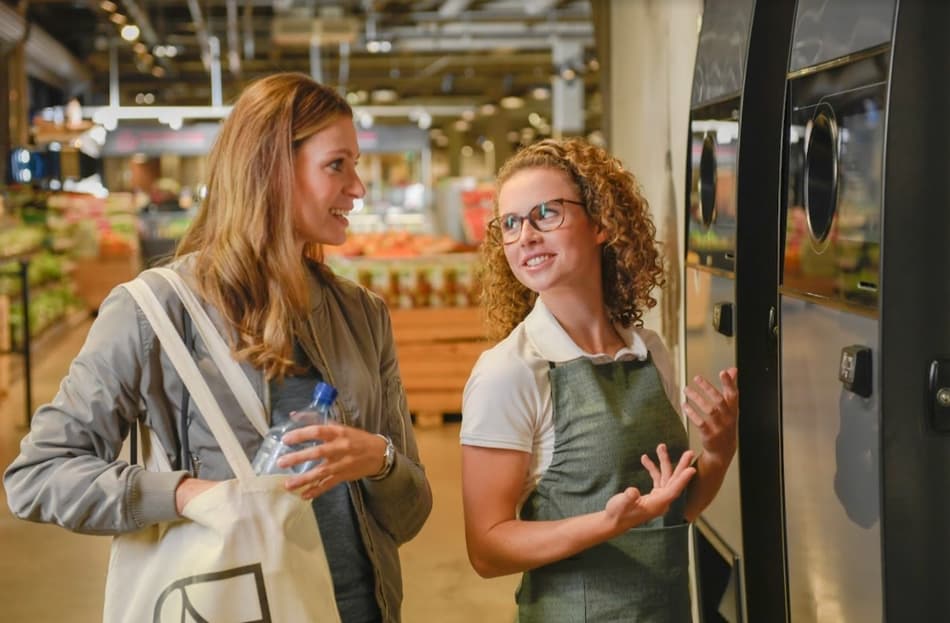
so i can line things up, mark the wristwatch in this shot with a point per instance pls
(389, 459)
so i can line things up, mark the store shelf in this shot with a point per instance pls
(437, 349)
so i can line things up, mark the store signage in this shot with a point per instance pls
(388, 139)
(191, 140)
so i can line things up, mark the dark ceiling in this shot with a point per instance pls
(428, 52)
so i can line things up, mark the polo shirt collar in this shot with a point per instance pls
(553, 343)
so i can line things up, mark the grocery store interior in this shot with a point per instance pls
(777, 106)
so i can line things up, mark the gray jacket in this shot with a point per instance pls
(69, 471)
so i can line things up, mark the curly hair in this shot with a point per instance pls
(631, 262)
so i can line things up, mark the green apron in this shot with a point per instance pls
(606, 416)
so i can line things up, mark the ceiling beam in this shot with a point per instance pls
(451, 8)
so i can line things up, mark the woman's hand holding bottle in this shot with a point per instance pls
(343, 453)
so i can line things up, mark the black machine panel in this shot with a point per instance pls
(721, 55)
(830, 29)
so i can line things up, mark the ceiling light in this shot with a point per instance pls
(384, 96)
(130, 32)
(468, 115)
(106, 5)
(487, 109)
(158, 71)
(511, 102)
(568, 73)
(117, 18)
(535, 119)
(488, 146)
(461, 125)
(467, 151)
(513, 136)
(139, 48)
(541, 93)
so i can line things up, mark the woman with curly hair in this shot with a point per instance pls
(575, 464)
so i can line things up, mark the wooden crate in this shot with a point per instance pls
(95, 277)
(437, 349)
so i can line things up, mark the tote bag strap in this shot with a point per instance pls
(188, 371)
(243, 390)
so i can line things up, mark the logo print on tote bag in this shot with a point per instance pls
(232, 596)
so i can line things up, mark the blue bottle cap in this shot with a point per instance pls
(324, 393)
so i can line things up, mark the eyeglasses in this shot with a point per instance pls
(546, 216)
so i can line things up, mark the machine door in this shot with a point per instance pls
(831, 464)
(835, 159)
(830, 345)
(711, 225)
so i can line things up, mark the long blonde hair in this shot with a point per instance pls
(247, 264)
(632, 265)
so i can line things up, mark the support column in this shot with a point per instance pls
(567, 92)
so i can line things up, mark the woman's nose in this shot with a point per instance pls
(532, 232)
(356, 187)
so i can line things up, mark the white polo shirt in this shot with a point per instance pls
(507, 399)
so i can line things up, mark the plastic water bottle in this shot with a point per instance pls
(273, 447)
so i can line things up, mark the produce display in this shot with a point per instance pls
(409, 270)
(20, 239)
(44, 268)
(42, 229)
(46, 308)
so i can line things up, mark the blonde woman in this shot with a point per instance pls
(282, 181)
(575, 467)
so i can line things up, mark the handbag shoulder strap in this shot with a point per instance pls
(178, 353)
(220, 352)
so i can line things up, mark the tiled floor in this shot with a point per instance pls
(50, 575)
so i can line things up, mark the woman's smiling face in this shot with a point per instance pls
(326, 183)
(566, 257)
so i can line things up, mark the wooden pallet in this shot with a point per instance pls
(437, 348)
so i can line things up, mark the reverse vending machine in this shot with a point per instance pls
(864, 322)
(709, 278)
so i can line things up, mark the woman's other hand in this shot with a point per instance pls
(630, 508)
(345, 454)
(715, 413)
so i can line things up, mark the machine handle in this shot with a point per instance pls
(939, 391)
(854, 370)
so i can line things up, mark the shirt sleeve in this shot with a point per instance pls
(501, 403)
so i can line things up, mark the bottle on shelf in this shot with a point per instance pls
(273, 446)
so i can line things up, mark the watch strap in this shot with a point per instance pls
(390, 459)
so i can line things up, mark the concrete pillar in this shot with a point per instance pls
(651, 56)
(567, 89)
(4, 115)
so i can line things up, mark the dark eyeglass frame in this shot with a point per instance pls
(533, 217)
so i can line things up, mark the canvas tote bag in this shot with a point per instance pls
(246, 550)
